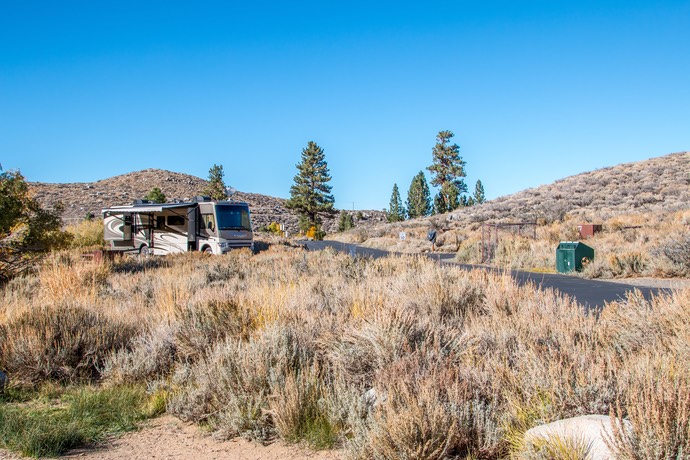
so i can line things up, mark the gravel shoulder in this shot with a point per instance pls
(660, 283)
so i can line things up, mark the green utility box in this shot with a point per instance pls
(572, 255)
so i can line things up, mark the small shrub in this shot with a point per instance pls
(87, 233)
(60, 344)
(202, 325)
(149, 357)
(658, 407)
(232, 387)
(273, 227)
(677, 250)
(299, 411)
(433, 416)
(557, 448)
(626, 264)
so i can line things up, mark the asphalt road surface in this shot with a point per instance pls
(589, 293)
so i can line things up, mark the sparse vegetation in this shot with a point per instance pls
(388, 358)
(87, 234)
(53, 420)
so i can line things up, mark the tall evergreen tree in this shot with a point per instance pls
(216, 185)
(418, 197)
(396, 210)
(479, 197)
(310, 195)
(447, 171)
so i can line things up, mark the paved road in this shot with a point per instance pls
(590, 293)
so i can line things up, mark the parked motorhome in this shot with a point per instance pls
(201, 225)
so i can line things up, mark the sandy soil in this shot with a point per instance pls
(168, 438)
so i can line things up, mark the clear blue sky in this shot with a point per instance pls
(533, 90)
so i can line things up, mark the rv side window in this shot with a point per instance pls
(160, 222)
(175, 220)
(207, 222)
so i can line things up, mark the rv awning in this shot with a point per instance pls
(146, 208)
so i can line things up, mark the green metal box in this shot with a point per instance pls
(572, 255)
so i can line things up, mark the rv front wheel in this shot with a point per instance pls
(144, 251)
(208, 250)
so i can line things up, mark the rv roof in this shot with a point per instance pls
(146, 207)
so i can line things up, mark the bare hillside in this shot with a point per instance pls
(82, 198)
(654, 185)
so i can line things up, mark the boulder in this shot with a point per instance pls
(588, 431)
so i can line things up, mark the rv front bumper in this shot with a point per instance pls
(227, 247)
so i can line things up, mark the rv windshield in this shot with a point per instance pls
(233, 217)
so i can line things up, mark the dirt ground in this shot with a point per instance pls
(167, 438)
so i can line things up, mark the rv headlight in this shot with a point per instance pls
(223, 244)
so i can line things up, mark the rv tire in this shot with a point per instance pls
(144, 251)
(208, 250)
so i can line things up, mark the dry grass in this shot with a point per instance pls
(389, 358)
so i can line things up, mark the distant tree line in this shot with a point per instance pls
(447, 173)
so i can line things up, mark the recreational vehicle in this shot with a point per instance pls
(201, 225)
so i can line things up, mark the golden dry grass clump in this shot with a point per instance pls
(391, 358)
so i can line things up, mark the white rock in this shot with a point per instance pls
(588, 429)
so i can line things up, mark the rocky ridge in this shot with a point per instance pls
(82, 198)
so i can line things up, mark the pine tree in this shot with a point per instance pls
(156, 195)
(479, 197)
(447, 171)
(439, 204)
(310, 195)
(216, 185)
(396, 210)
(345, 222)
(418, 197)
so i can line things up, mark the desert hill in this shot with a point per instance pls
(655, 185)
(82, 198)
